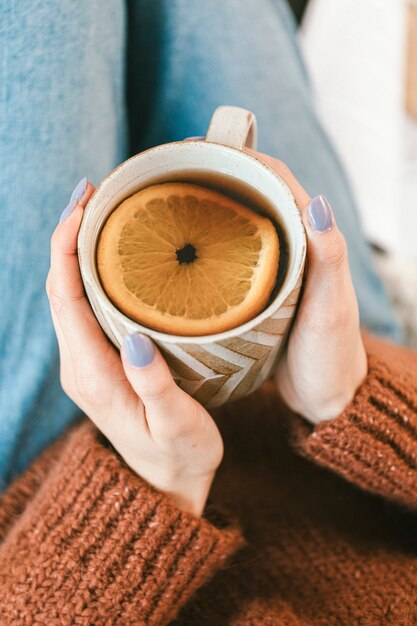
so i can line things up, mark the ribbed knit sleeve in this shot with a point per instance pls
(15, 499)
(97, 545)
(373, 443)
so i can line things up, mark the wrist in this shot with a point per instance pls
(322, 394)
(336, 403)
(190, 494)
(329, 409)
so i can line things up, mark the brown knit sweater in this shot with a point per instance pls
(305, 526)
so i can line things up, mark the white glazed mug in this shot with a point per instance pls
(225, 366)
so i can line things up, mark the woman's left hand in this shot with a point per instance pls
(325, 360)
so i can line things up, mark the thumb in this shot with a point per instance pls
(150, 377)
(327, 247)
(331, 295)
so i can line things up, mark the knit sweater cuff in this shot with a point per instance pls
(373, 443)
(96, 527)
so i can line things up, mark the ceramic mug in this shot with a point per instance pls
(224, 366)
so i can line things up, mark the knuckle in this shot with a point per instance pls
(187, 424)
(333, 321)
(60, 300)
(67, 389)
(66, 384)
(57, 301)
(338, 321)
(89, 389)
(336, 254)
(160, 392)
(55, 241)
(180, 428)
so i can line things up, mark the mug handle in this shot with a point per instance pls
(234, 127)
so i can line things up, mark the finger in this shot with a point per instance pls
(150, 377)
(76, 326)
(81, 194)
(327, 246)
(64, 245)
(65, 360)
(332, 302)
(327, 253)
(64, 286)
(329, 296)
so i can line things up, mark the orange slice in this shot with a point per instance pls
(187, 260)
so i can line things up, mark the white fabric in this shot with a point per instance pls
(355, 53)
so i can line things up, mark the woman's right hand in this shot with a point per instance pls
(160, 431)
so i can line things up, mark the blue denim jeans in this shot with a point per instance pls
(85, 83)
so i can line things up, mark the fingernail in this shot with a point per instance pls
(320, 214)
(79, 190)
(68, 210)
(76, 196)
(139, 350)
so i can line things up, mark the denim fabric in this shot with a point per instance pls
(64, 114)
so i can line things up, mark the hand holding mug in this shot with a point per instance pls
(162, 433)
(325, 360)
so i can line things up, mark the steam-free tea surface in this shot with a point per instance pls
(187, 260)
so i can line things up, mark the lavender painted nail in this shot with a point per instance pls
(139, 350)
(68, 210)
(320, 214)
(79, 190)
(76, 196)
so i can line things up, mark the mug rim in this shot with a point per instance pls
(297, 266)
